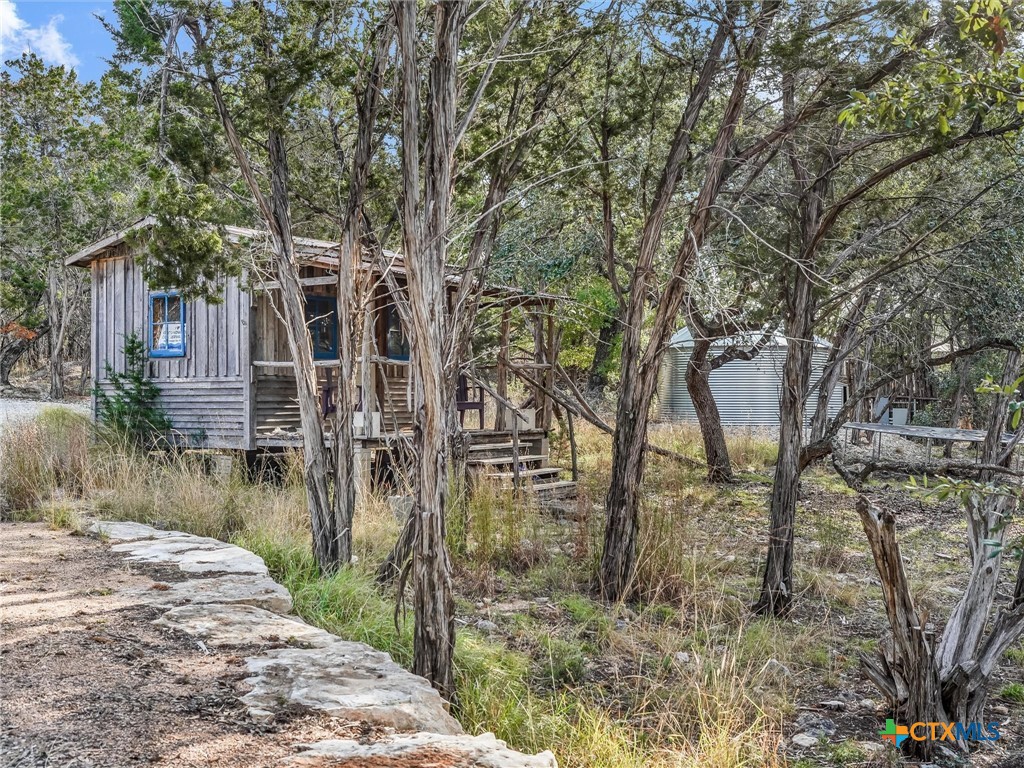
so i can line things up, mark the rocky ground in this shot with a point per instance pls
(172, 650)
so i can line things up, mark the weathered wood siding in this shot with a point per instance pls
(270, 339)
(204, 392)
(277, 404)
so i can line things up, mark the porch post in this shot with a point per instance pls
(502, 372)
(549, 358)
(539, 396)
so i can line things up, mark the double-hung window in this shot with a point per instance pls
(166, 324)
(322, 319)
(397, 345)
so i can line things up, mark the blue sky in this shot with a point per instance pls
(59, 31)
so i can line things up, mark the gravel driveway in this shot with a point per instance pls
(15, 409)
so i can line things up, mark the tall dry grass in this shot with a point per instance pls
(702, 715)
(44, 460)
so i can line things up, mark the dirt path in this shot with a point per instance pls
(87, 680)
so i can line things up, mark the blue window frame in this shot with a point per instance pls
(322, 319)
(166, 324)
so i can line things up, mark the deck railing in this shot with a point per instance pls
(474, 394)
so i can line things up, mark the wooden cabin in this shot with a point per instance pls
(227, 381)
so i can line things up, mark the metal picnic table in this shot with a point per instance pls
(928, 434)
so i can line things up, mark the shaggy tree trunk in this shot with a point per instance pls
(19, 342)
(777, 584)
(315, 464)
(344, 439)
(424, 239)
(640, 363)
(698, 369)
(276, 213)
(862, 410)
(349, 261)
(56, 370)
(845, 341)
(629, 458)
(905, 668)
(964, 369)
(9, 355)
(56, 310)
(987, 513)
(950, 680)
(505, 166)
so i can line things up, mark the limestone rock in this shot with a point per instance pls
(319, 671)
(484, 751)
(115, 531)
(220, 624)
(261, 592)
(232, 602)
(806, 740)
(194, 554)
(350, 681)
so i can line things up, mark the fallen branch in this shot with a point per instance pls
(855, 478)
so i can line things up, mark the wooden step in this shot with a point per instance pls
(524, 473)
(560, 489)
(498, 460)
(495, 451)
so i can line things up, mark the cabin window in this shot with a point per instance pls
(322, 319)
(397, 343)
(166, 325)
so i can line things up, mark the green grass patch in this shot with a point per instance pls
(1013, 692)
(492, 682)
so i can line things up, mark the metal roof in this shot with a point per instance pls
(684, 338)
(310, 251)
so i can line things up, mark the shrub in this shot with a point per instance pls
(832, 536)
(503, 531)
(130, 413)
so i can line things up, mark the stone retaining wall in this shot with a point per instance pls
(227, 599)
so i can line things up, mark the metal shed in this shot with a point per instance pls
(746, 391)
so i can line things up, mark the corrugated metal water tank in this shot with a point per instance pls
(746, 391)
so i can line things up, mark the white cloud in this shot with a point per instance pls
(17, 37)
